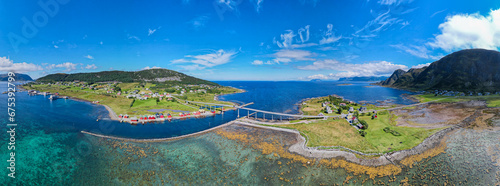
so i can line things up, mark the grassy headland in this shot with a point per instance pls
(148, 95)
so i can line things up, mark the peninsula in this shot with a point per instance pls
(128, 94)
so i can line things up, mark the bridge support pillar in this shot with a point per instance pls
(272, 117)
(238, 113)
(281, 118)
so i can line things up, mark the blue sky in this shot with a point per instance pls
(241, 39)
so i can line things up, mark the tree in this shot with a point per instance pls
(364, 123)
(339, 110)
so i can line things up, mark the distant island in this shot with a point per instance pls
(471, 70)
(18, 77)
(367, 78)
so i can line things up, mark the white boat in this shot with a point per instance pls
(52, 97)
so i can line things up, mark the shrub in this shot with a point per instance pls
(387, 129)
(393, 132)
(362, 133)
(363, 122)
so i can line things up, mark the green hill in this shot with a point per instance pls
(465, 70)
(18, 77)
(159, 76)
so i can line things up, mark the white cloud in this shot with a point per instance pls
(421, 65)
(381, 22)
(92, 66)
(55, 46)
(101, 43)
(151, 31)
(438, 12)
(304, 34)
(192, 67)
(328, 48)
(303, 45)
(68, 66)
(154, 67)
(287, 56)
(199, 22)
(133, 37)
(258, 4)
(404, 24)
(294, 54)
(329, 36)
(419, 51)
(228, 3)
(469, 31)
(7, 65)
(212, 59)
(257, 62)
(88, 57)
(394, 2)
(287, 39)
(317, 76)
(351, 70)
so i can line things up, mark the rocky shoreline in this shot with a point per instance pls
(350, 155)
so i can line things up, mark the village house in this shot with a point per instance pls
(362, 109)
(329, 110)
(351, 109)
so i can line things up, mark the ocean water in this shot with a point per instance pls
(50, 150)
(283, 96)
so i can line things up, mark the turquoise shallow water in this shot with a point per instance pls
(51, 151)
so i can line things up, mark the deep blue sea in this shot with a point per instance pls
(40, 113)
(283, 96)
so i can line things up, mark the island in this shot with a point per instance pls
(17, 77)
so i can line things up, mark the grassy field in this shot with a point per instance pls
(340, 133)
(123, 105)
(142, 106)
(118, 104)
(491, 100)
(333, 133)
(314, 107)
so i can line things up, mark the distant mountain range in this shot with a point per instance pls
(368, 78)
(316, 80)
(164, 76)
(18, 77)
(465, 70)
